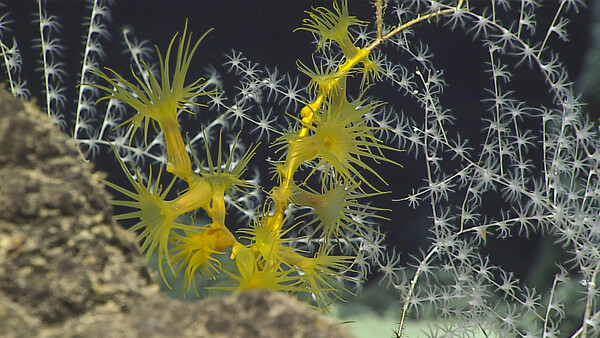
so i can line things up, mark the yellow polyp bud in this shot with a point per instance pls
(310, 109)
(178, 160)
(306, 112)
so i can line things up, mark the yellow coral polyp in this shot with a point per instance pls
(156, 216)
(256, 273)
(322, 275)
(341, 140)
(223, 176)
(194, 252)
(161, 102)
(335, 211)
(332, 25)
(267, 242)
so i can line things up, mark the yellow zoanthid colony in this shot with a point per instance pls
(331, 133)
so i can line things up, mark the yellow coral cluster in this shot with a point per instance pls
(331, 131)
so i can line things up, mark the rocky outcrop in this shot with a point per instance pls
(66, 268)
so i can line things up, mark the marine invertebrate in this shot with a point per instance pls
(334, 133)
(476, 180)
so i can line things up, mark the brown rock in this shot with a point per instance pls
(66, 268)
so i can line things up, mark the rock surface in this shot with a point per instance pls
(66, 268)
